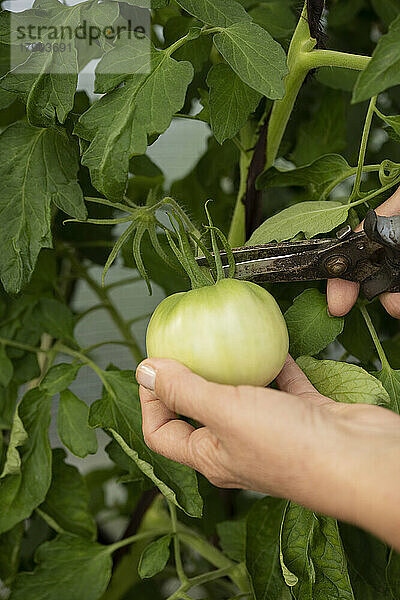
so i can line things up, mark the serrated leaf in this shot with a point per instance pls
(6, 368)
(383, 71)
(47, 158)
(56, 318)
(262, 548)
(390, 380)
(67, 501)
(232, 539)
(72, 425)
(45, 81)
(196, 51)
(318, 177)
(83, 567)
(155, 557)
(325, 132)
(310, 326)
(231, 101)
(343, 382)
(255, 57)
(117, 126)
(310, 218)
(218, 13)
(60, 377)
(25, 482)
(119, 412)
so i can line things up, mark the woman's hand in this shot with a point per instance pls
(338, 459)
(342, 295)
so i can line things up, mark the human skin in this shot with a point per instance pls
(342, 295)
(341, 460)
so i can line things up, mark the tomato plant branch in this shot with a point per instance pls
(177, 549)
(375, 337)
(136, 538)
(199, 580)
(363, 149)
(334, 58)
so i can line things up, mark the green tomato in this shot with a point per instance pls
(232, 332)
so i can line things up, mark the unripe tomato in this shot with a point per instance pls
(232, 332)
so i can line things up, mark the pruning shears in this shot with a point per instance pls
(370, 258)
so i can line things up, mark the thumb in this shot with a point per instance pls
(182, 391)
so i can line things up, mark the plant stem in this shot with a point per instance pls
(177, 548)
(136, 538)
(104, 298)
(334, 58)
(199, 580)
(237, 231)
(21, 346)
(301, 44)
(375, 337)
(363, 149)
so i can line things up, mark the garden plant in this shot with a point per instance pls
(303, 119)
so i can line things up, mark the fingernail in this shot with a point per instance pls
(146, 376)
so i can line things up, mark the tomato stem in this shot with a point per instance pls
(363, 149)
(375, 337)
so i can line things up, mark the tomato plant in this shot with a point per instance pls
(299, 109)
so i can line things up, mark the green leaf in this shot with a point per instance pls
(232, 539)
(196, 51)
(310, 218)
(390, 380)
(218, 13)
(155, 557)
(46, 157)
(276, 16)
(117, 126)
(55, 318)
(6, 368)
(72, 425)
(393, 573)
(68, 567)
(67, 501)
(262, 549)
(45, 81)
(26, 479)
(329, 562)
(10, 546)
(231, 102)
(60, 377)
(296, 537)
(318, 177)
(343, 382)
(311, 328)
(387, 10)
(255, 57)
(119, 412)
(383, 71)
(325, 132)
(8, 400)
(367, 560)
(393, 121)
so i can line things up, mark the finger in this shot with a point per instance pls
(391, 303)
(162, 431)
(390, 207)
(293, 381)
(342, 296)
(185, 393)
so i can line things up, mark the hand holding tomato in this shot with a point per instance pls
(339, 459)
(342, 295)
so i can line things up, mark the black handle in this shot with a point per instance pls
(386, 232)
